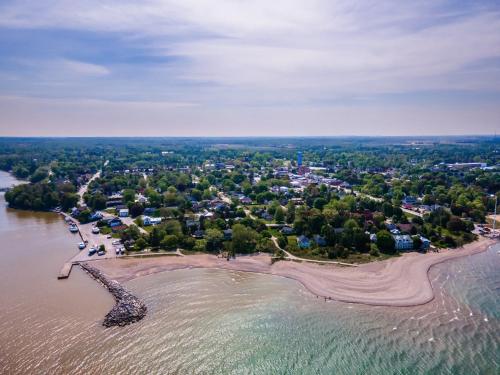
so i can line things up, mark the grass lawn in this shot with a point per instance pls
(105, 230)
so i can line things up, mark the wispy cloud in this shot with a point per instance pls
(260, 53)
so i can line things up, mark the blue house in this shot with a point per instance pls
(320, 241)
(303, 242)
(426, 243)
(149, 211)
(114, 222)
(228, 234)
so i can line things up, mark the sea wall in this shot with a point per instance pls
(128, 309)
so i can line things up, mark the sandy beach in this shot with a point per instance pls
(401, 281)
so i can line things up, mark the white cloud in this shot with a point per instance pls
(316, 46)
(82, 68)
(275, 53)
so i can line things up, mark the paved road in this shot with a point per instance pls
(84, 188)
(129, 221)
(411, 212)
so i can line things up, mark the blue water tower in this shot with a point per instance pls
(299, 158)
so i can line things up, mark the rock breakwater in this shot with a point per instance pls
(128, 308)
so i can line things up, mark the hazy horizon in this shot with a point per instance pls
(252, 68)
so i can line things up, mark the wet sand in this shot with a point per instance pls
(401, 281)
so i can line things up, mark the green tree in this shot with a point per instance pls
(290, 212)
(170, 241)
(200, 245)
(279, 215)
(385, 242)
(244, 239)
(128, 196)
(214, 238)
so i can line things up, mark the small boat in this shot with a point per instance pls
(81, 245)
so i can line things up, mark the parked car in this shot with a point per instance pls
(101, 253)
(95, 230)
(92, 251)
(81, 245)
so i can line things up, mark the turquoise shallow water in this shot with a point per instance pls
(223, 322)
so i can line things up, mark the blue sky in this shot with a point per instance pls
(240, 68)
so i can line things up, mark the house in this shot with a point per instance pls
(190, 223)
(320, 241)
(149, 211)
(403, 242)
(303, 242)
(123, 212)
(95, 216)
(147, 220)
(114, 222)
(287, 230)
(245, 200)
(409, 200)
(228, 234)
(141, 199)
(199, 234)
(391, 226)
(426, 243)
(75, 212)
(114, 200)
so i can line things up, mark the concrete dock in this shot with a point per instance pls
(65, 270)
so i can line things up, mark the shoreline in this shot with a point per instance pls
(397, 282)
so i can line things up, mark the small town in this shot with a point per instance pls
(315, 206)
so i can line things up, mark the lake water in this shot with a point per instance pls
(223, 322)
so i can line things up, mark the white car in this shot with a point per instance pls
(117, 242)
(81, 245)
(95, 230)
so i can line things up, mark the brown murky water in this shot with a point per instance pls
(38, 313)
(222, 322)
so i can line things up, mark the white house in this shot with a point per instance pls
(147, 220)
(403, 242)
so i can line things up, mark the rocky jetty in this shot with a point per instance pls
(128, 308)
